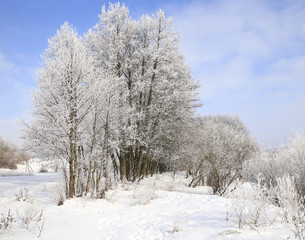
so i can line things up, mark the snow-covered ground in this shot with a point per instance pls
(157, 208)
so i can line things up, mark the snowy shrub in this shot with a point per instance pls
(60, 194)
(250, 203)
(284, 173)
(255, 204)
(157, 177)
(6, 221)
(264, 163)
(277, 163)
(43, 169)
(31, 217)
(299, 221)
(294, 154)
(40, 221)
(60, 199)
(144, 191)
(287, 197)
(170, 186)
(238, 209)
(111, 195)
(176, 223)
(29, 214)
(22, 194)
(292, 205)
(166, 182)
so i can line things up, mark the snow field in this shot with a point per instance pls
(159, 207)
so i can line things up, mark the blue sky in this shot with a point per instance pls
(249, 56)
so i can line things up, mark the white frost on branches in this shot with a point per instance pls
(109, 104)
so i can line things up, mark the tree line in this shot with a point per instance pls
(118, 104)
(11, 155)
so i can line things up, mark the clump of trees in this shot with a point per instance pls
(277, 163)
(11, 155)
(118, 105)
(216, 148)
(109, 103)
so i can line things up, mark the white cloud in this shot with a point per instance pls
(250, 58)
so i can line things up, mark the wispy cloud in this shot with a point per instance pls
(4, 64)
(250, 58)
(16, 82)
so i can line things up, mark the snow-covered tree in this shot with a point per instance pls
(107, 44)
(62, 102)
(113, 101)
(223, 144)
(156, 89)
